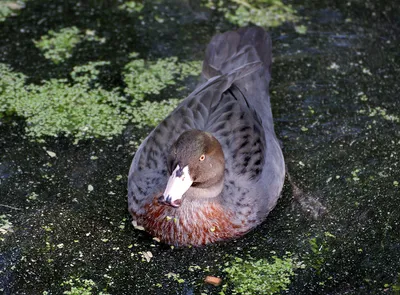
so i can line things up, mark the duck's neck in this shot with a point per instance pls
(205, 193)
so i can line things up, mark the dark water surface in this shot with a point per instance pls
(335, 96)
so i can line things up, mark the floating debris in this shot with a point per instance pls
(51, 154)
(215, 281)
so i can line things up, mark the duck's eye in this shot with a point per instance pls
(202, 157)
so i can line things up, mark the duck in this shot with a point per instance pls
(213, 169)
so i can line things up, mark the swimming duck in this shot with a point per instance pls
(213, 169)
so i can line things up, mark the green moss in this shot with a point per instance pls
(57, 106)
(150, 77)
(11, 88)
(145, 78)
(175, 277)
(83, 109)
(88, 74)
(251, 276)
(265, 13)
(131, 6)
(301, 29)
(81, 287)
(152, 113)
(378, 111)
(10, 8)
(5, 226)
(320, 251)
(59, 45)
(5, 11)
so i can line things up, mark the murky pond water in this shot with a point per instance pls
(335, 96)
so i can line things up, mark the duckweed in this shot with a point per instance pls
(57, 107)
(8, 8)
(131, 6)
(59, 45)
(252, 276)
(11, 85)
(5, 226)
(320, 250)
(266, 13)
(81, 287)
(175, 277)
(150, 77)
(394, 287)
(151, 113)
(83, 109)
(5, 11)
(378, 111)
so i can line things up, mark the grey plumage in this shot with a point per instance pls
(233, 104)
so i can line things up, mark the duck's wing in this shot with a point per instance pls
(148, 172)
(239, 129)
(243, 124)
(254, 164)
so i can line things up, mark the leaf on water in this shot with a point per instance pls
(139, 227)
(147, 255)
(136, 226)
(51, 154)
(302, 29)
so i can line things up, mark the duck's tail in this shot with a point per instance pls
(231, 50)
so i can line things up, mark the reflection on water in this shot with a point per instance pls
(335, 100)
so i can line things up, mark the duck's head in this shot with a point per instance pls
(196, 160)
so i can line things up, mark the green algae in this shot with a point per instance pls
(320, 247)
(5, 11)
(11, 84)
(260, 276)
(10, 8)
(58, 46)
(144, 78)
(265, 13)
(83, 109)
(362, 214)
(59, 107)
(131, 6)
(80, 286)
(151, 77)
(6, 226)
(150, 113)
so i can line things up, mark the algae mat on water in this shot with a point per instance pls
(83, 108)
(64, 227)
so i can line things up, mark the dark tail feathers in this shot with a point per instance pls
(231, 50)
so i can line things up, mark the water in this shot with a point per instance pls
(335, 101)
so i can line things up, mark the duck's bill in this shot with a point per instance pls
(178, 183)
